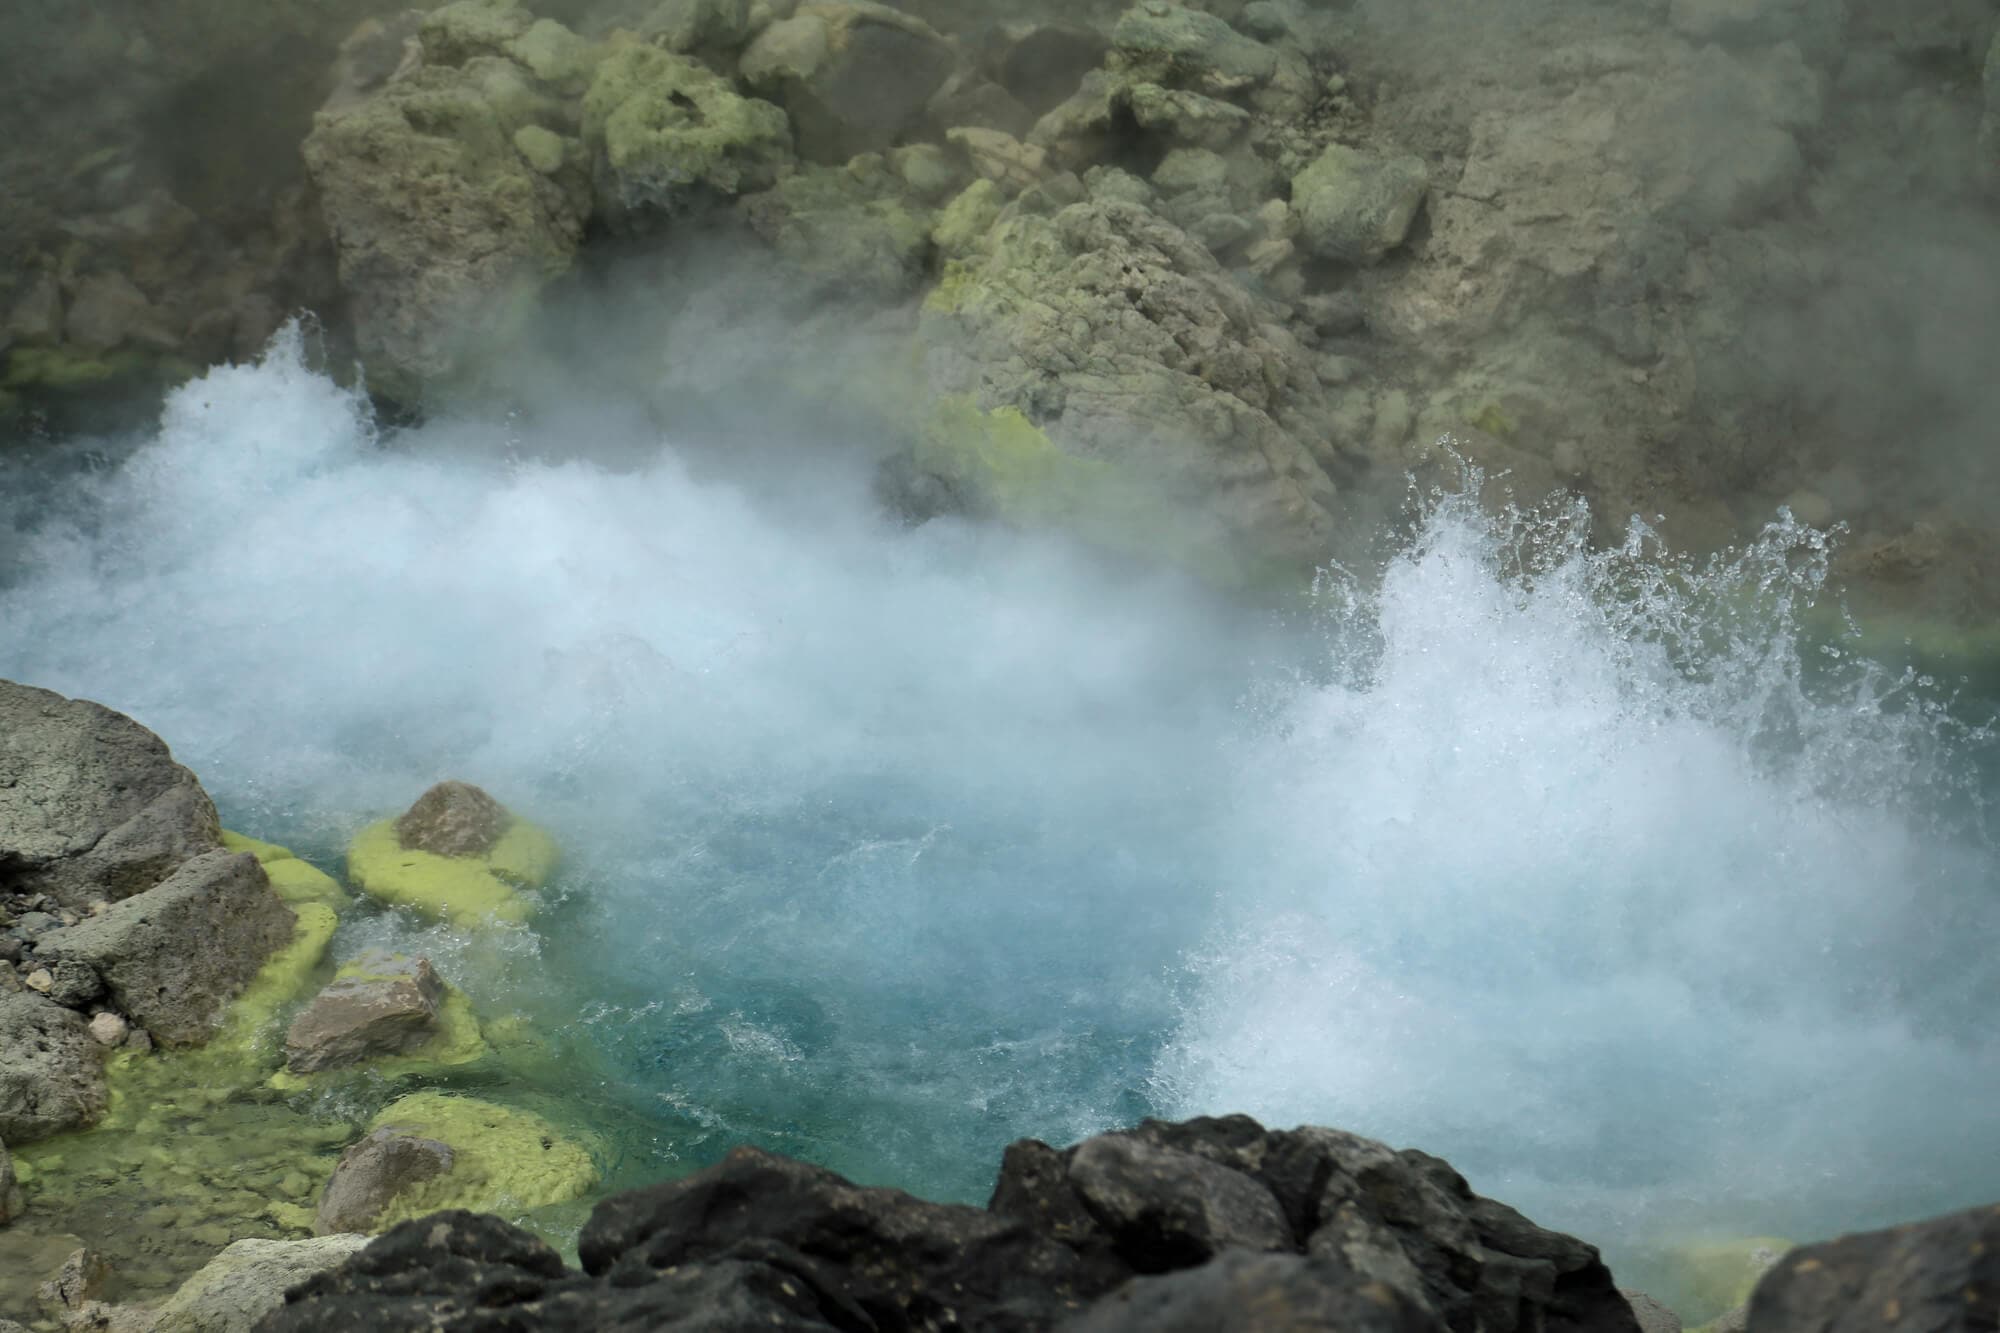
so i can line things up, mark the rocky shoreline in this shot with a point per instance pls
(1207, 1224)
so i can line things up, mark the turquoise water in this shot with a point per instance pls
(887, 846)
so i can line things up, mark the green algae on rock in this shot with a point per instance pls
(465, 890)
(503, 1158)
(669, 129)
(292, 879)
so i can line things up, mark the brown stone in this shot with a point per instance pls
(370, 1176)
(453, 819)
(389, 1008)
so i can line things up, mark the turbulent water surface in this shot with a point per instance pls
(888, 845)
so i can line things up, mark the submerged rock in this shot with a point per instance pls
(1209, 1225)
(51, 1071)
(92, 805)
(173, 957)
(381, 1004)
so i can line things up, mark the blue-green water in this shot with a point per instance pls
(888, 846)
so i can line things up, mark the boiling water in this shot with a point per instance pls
(889, 845)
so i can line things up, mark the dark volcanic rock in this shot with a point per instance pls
(1938, 1276)
(92, 805)
(1211, 1224)
(175, 955)
(453, 819)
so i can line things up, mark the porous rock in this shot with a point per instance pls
(92, 805)
(51, 1071)
(1106, 1235)
(854, 77)
(389, 1005)
(1941, 1275)
(372, 1173)
(1357, 206)
(247, 1281)
(173, 957)
(453, 819)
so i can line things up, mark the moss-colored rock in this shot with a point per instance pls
(293, 880)
(962, 226)
(669, 129)
(504, 1159)
(265, 852)
(464, 890)
(849, 229)
(1356, 206)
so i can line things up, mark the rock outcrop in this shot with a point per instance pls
(1211, 1224)
(1941, 1275)
(92, 805)
(173, 957)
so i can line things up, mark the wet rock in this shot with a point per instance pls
(1213, 1224)
(670, 134)
(1942, 1274)
(247, 1281)
(453, 819)
(79, 1282)
(854, 78)
(1355, 206)
(1116, 337)
(370, 1176)
(388, 1006)
(443, 231)
(91, 803)
(108, 311)
(51, 1072)
(174, 956)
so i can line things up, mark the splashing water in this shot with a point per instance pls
(889, 846)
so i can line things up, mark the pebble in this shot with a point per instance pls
(110, 1029)
(41, 979)
(140, 1040)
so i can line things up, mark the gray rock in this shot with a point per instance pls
(92, 805)
(1942, 1274)
(1653, 1317)
(1188, 1209)
(174, 956)
(75, 984)
(1041, 64)
(389, 1005)
(247, 1281)
(453, 819)
(1191, 48)
(372, 1173)
(853, 77)
(1356, 206)
(51, 1071)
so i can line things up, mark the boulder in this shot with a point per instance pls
(173, 957)
(51, 1071)
(854, 77)
(1175, 45)
(1118, 383)
(668, 134)
(1212, 1224)
(92, 805)
(1356, 207)
(1940, 1275)
(372, 1173)
(247, 1281)
(453, 819)
(382, 1004)
(1041, 64)
(846, 231)
(444, 228)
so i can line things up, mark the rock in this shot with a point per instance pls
(670, 134)
(382, 1004)
(247, 1281)
(51, 1072)
(1355, 206)
(453, 819)
(108, 310)
(40, 980)
(1942, 1274)
(75, 984)
(443, 230)
(1041, 64)
(91, 803)
(464, 889)
(689, 25)
(1001, 158)
(854, 77)
(1152, 399)
(853, 231)
(109, 1029)
(370, 1176)
(37, 314)
(431, 1150)
(79, 1283)
(1989, 124)
(11, 1203)
(1170, 44)
(173, 957)
(1653, 1317)
(962, 225)
(1212, 1224)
